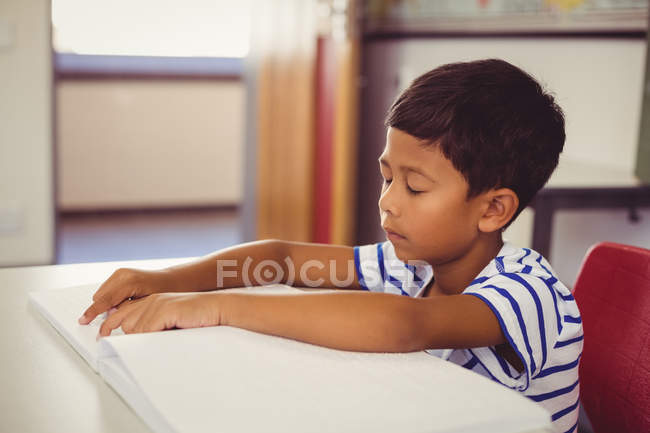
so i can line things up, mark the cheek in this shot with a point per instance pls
(444, 218)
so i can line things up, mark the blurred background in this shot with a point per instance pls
(144, 129)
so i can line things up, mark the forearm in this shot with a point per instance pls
(295, 263)
(356, 321)
(224, 268)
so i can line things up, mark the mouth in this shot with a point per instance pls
(393, 236)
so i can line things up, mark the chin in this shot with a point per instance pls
(401, 254)
(405, 256)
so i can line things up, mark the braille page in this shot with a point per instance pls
(62, 308)
(234, 380)
(113, 371)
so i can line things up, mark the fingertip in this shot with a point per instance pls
(91, 313)
(87, 317)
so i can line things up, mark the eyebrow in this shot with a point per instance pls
(417, 170)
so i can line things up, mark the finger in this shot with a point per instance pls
(115, 308)
(116, 319)
(129, 322)
(103, 299)
(137, 309)
(151, 320)
(103, 304)
(96, 308)
(111, 322)
(152, 317)
(113, 291)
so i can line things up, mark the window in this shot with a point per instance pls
(160, 28)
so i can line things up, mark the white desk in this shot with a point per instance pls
(46, 385)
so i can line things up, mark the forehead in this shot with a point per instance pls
(404, 150)
(404, 145)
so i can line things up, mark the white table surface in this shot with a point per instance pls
(46, 385)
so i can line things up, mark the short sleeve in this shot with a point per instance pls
(526, 308)
(379, 270)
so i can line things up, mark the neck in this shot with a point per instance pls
(453, 277)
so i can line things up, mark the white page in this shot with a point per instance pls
(114, 372)
(233, 380)
(62, 308)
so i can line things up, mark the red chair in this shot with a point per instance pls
(613, 296)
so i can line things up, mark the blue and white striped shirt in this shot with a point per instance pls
(537, 314)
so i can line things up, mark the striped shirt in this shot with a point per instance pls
(537, 314)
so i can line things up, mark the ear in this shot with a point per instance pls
(500, 205)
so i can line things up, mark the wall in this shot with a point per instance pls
(149, 143)
(597, 82)
(26, 187)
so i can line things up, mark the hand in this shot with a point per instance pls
(162, 311)
(126, 284)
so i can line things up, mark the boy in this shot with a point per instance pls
(468, 146)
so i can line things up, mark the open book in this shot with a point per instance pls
(233, 380)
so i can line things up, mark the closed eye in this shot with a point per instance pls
(408, 188)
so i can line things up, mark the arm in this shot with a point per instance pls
(232, 267)
(358, 321)
(368, 322)
(313, 265)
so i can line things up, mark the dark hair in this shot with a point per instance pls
(492, 120)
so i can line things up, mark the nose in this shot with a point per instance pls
(388, 200)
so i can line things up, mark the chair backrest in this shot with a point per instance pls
(613, 296)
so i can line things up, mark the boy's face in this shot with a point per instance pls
(437, 224)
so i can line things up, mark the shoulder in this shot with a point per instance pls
(520, 270)
(537, 313)
(521, 276)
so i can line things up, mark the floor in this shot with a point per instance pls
(145, 235)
